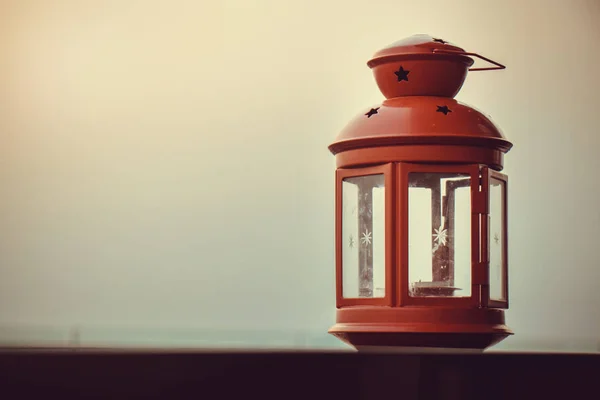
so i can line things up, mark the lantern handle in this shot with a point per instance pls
(463, 53)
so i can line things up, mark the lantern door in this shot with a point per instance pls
(438, 234)
(364, 231)
(495, 240)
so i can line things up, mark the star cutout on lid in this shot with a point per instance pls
(402, 74)
(439, 41)
(443, 109)
(372, 112)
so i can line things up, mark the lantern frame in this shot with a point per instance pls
(396, 183)
(387, 170)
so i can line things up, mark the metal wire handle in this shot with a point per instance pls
(462, 53)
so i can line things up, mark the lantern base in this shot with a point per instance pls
(415, 350)
(420, 327)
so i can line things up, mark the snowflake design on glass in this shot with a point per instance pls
(496, 238)
(351, 242)
(366, 237)
(365, 211)
(440, 236)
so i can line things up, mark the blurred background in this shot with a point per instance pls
(165, 178)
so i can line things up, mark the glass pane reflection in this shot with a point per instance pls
(497, 242)
(363, 237)
(439, 235)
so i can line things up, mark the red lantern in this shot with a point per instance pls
(421, 224)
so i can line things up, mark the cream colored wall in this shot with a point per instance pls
(164, 164)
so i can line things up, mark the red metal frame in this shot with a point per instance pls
(403, 298)
(487, 175)
(388, 173)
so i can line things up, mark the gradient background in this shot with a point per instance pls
(164, 164)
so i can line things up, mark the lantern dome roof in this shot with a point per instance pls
(420, 120)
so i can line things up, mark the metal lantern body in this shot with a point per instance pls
(421, 224)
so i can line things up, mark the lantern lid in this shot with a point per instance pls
(415, 45)
(424, 120)
(422, 65)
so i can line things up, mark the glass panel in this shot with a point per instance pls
(439, 235)
(497, 245)
(363, 236)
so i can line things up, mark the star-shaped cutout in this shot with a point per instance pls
(443, 109)
(351, 244)
(372, 112)
(496, 238)
(439, 41)
(402, 74)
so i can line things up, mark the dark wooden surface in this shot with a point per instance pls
(167, 374)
